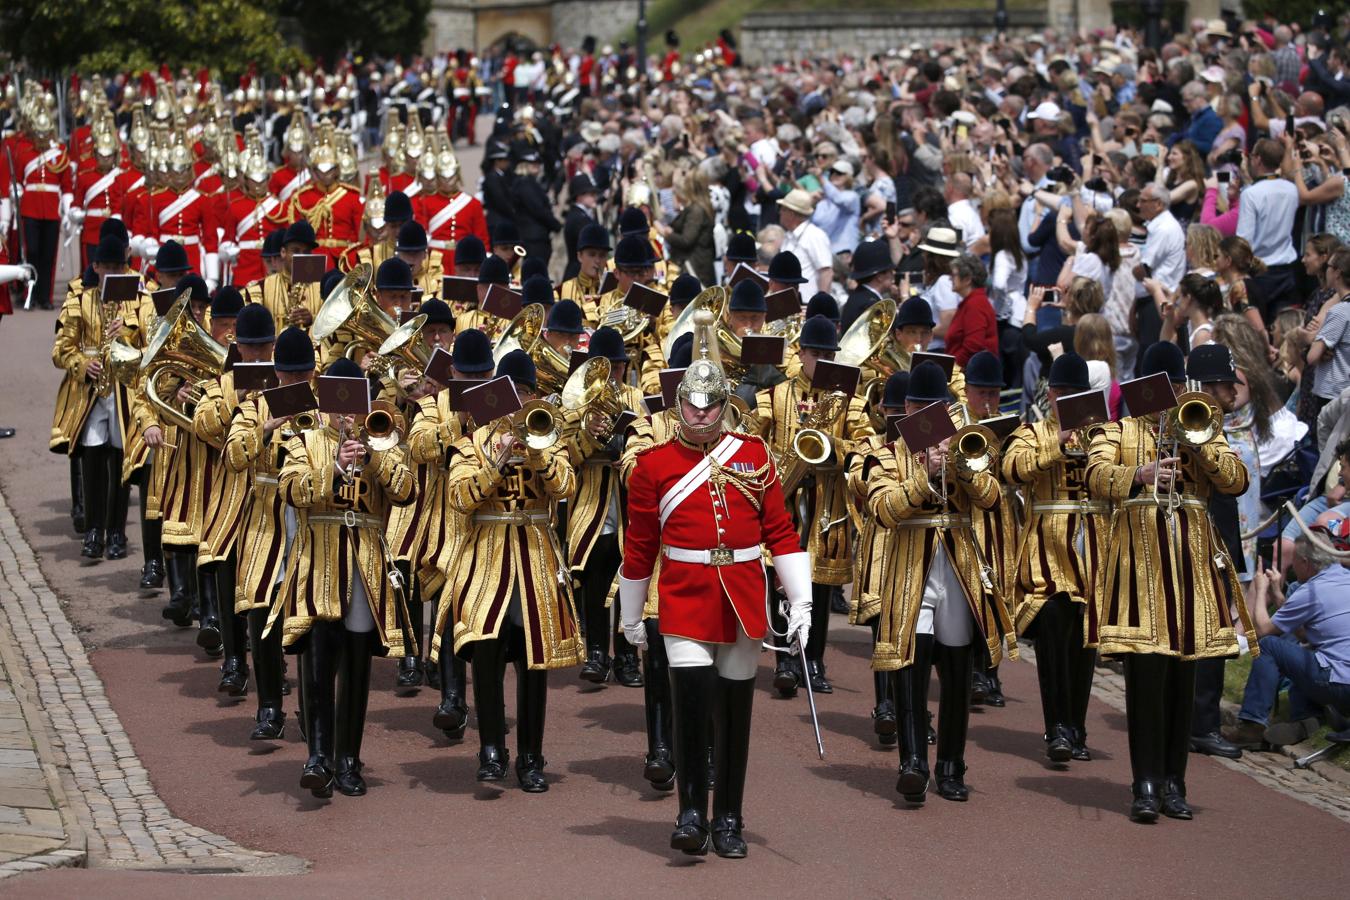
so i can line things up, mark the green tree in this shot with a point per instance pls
(224, 36)
(331, 28)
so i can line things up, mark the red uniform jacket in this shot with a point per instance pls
(335, 215)
(82, 149)
(702, 602)
(208, 184)
(135, 209)
(246, 223)
(279, 185)
(45, 175)
(101, 197)
(444, 228)
(187, 218)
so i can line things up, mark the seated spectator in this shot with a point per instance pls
(1333, 501)
(1318, 610)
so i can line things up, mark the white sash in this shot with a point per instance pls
(100, 186)
(41, 159)
(183, 202)
(206, 173)
(265, 206)
(294, 185)
(697, 476)
(412, 190)
(448, 212)
(136, 185)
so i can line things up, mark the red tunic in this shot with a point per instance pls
(279, 185)
(246, 223)
(45, 176)
(135, 210)
(100, 195)
(703, 602)
(445, 229)
(335, 215)
(192, 223)
(82, 148)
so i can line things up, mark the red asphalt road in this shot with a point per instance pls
(821, 828)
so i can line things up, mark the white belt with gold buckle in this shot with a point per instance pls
(717, 556)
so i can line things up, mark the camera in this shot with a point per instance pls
(1230, 158)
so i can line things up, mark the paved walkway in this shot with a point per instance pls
(111, 800)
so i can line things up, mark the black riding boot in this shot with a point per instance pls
(1179, 705)
(271, 720)
(353, 697)
(233, 633)
(489, 668)
(77, 513)
(659, 767)
(181, 575)
(452, 716)
(911, 690)
(95, 468)
(596, 625)
(627, 666)
(208, 633)
(152, 570)
(731, 742)
(815, 644)
(692, 693)
(119, 498)
(318, 669)
(410, 667)
(1054, 622)
(787, 671)
(1082, 665)
(883, 714)
(953, 720)
(1146, 720)
(531, 705)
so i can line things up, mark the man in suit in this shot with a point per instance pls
(585, 194)
(534, 212)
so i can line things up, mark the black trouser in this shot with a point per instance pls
(412, 593)
(820, 622)
(335, 668)
(1064, 666)
(267, 662)
(98, 489)
(489, 671)
(41, 240)
(595, 581)
(1275, 289)
(1208, 693)
(542, 249)
(233, 625)
(1159, 697)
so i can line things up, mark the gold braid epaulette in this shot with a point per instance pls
(320, 215)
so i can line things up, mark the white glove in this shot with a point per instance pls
(794, 574)
(211, 271)
(67, 201)
(5, 216)
(76, 215)
(22, 272)
(229, 252)
(632, 599)
(149, 248)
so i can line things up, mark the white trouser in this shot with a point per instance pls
(358, 619)
(735, 662)
(944, 613)
(102, 426)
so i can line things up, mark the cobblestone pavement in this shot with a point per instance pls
(114, 805)
(1324, 785)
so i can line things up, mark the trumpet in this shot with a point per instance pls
(812, 445)
(974, 448)
(1195, 421)
(535, 425)
(383, 426)
(300, 422)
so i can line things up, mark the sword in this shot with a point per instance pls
(806, 678)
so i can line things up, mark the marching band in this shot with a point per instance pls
(418, 447)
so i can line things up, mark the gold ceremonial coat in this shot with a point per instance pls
(580, 290)
(327, 553)
(433, 435)
(180, 479)
(1162, 588)
(871, 577)
(274, 292)
(225, 502)
(898, 493)
(79, 335)
(645, 433)
(825, 524)
(257, 457)
(1060, 512)
(501, 559)
(598, 482)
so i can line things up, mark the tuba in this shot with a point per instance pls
(590, 392)
(183, 348)
(352, 306)
(525, 332)
(403, 348)
(714, 298)
(867, 344)
(812, 445)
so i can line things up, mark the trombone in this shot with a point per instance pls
(1196, 420)
(535, 425)
(974, 448)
